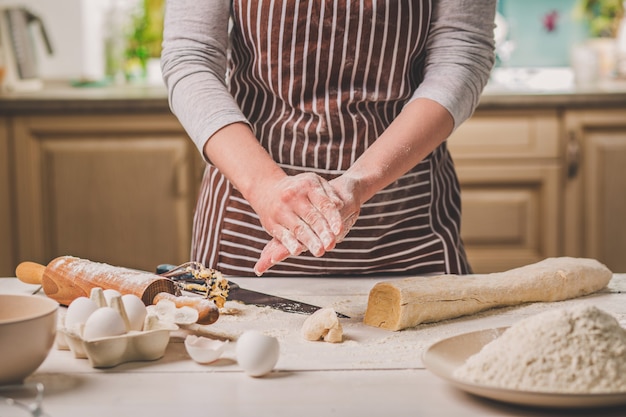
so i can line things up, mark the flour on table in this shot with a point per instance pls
(577, 350)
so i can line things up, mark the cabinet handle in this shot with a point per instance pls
(572, 155)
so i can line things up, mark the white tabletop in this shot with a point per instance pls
(373, 372)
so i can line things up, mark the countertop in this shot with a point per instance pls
(508, 88)
(62, 97)
(373, 372)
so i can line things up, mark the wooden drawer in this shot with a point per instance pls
(506, 135)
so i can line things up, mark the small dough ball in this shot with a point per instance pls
(323, 324)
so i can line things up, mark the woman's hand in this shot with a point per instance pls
(348, 204)
(301, 212)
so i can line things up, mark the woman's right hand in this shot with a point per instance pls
(302, 212)
(343, 188)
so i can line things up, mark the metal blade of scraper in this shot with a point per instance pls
(250, 297)
(246, 296)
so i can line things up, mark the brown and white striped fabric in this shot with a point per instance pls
(319, 81)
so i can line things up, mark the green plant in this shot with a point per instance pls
(145, 39)
(602, 16)
(153, 26)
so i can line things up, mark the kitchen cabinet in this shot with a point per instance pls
(7, 254)
(510, 170)
(595, 201)
(109, 174)
(114, 188)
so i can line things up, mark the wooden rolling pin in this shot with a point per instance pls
(401, 304)
(66, 278)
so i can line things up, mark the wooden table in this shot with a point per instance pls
(374, 372)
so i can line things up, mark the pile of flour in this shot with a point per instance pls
(576, 350)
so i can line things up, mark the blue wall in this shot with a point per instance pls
(542, 31)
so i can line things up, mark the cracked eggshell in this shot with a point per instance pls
(154, 322)
(167, 311)
(204, 350)
(257, 354)
(185, 315)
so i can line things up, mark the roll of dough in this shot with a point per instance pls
(405, 303)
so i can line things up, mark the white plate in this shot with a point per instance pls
(445, 356)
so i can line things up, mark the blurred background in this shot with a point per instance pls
(586, 36)
(96, 40)
(119, 40)
(94, 164)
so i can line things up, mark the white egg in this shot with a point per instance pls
(104, 322)
(78, 312)
(257, 353)
(135, 310)
(109, 294)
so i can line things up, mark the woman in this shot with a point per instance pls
(323, 124)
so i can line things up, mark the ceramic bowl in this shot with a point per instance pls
(28, 326)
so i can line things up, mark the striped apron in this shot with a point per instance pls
(319, 81)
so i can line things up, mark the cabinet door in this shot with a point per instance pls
(510, 215)
(117, 189)
(596, 198)
(509, 169)
(7, 254)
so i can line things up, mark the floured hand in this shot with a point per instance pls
(301, 212)
(349, 207)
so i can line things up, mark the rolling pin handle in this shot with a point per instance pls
(30, 272)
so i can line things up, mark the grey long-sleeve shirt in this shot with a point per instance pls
(459, 57)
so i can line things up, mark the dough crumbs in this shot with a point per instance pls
(577, 350)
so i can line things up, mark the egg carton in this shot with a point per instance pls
(107, 352)
(109, 329)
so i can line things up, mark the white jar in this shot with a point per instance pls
(621, 46)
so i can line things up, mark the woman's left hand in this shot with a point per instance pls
(347, 190)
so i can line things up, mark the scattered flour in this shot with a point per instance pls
(576, 350)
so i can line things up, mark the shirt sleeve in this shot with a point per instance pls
(194, 63)
(459, 58)
(460, 53)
